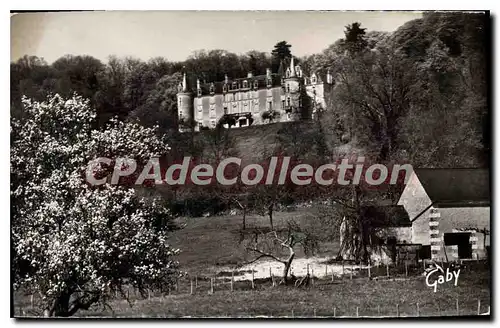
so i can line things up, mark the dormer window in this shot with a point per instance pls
(245, 84)
(235, 86)
(256, 84)
(299, 71)
(313, 79)
(212, 88)
(269, 82)
(199, 92)
(224, 88)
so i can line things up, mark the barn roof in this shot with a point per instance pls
(386, 216)
(456, 187)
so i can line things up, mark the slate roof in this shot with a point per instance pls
(386, 216)
(456, 187)
(260, 79)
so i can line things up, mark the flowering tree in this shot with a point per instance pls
(75, 243)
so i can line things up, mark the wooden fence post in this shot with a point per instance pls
(369, 272)
(332, 275)
(314, 313)
(31, 301)
(192, 286)
(458, 309)
(149, 294)
(343, 269)
(478, 306)
(326, 271)
(352, 269)
(378, 310)
(397, 310)
(357, 312)
(196, 281)
(387, 269)
(406, 268)
(211, 285)
(232, 281)
(418, 310)
(253, 277)
(312, 277)
(334, 311)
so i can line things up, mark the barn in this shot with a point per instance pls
(449, 211)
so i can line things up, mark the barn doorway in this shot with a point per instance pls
(462, 240)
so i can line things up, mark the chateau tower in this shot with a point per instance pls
(184, 104)
(293, 103)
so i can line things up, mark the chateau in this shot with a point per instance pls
(284, 96)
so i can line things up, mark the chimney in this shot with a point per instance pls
(250, 74)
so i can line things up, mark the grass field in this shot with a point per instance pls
(207, 244)
(210, 245)
(342, 298)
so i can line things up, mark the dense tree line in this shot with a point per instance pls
(418, 94)
(126, 87)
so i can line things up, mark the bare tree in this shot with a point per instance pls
(281, 245)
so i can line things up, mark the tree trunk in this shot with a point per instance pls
(288, 264)
(270, 213)
(244, 218)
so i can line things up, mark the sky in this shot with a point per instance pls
(177, 34)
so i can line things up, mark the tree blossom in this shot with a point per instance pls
(72, 242)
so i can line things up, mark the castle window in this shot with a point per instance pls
(287, 87)
(235, 86)
(180, 102)
(313, 79)
(212, 88)
(199, 92)
(200, 125)
(256, 84)
(224, 88)
(288, 101)
(245, 84)
(212, 123)
(269, 82)
(270, 105)
(283, 104)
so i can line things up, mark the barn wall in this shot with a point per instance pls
(462, 219)
(402, 234)
(415, 200)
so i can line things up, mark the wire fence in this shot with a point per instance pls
(198, 284)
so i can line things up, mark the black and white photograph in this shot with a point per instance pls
(251, 164)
